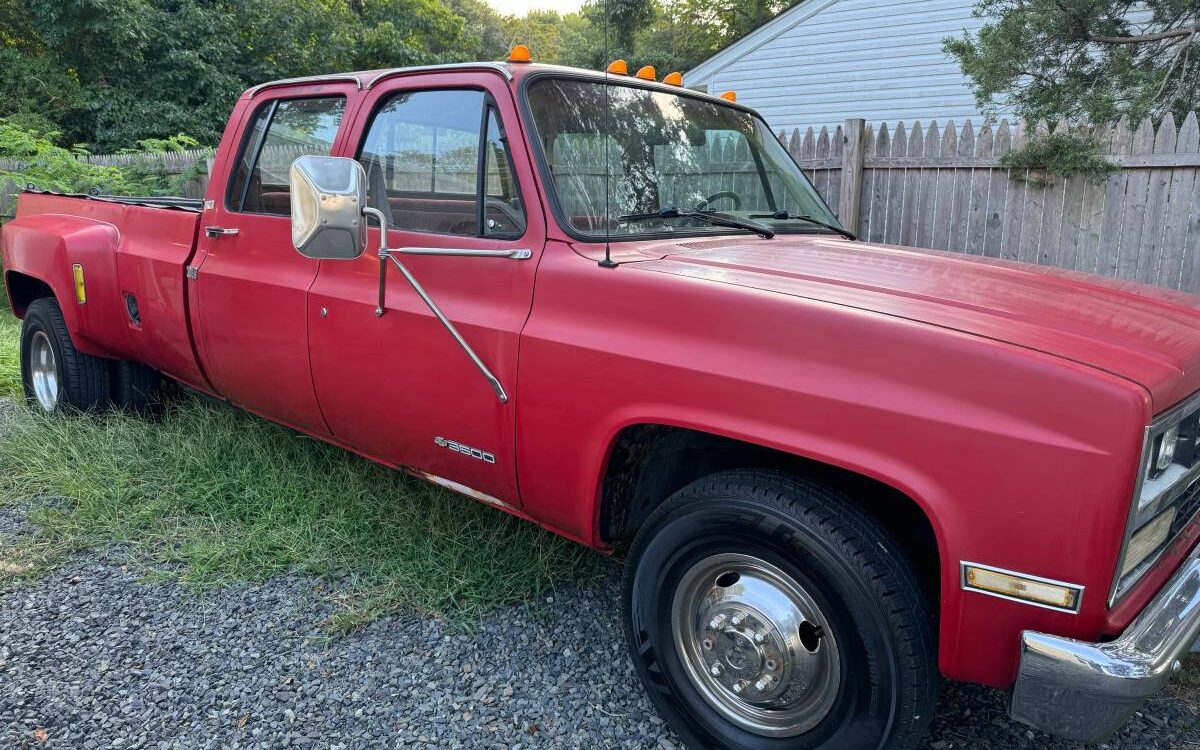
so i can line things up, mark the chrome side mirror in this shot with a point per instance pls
(328, 194)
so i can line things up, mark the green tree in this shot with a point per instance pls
(486, 34)
(1084, 59)
(619, 20)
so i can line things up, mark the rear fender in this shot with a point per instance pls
(46, 246)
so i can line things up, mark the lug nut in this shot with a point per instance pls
(737, 620)
(717, 622)
(764, 683)
(716, 670)
(739, 686)
(760, 637)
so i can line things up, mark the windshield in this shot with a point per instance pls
(664, 151)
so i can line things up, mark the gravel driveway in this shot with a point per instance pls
(93, 656)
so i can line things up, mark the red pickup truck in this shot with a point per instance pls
(615, 307)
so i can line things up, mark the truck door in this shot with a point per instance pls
(446, 164)
(250, 284)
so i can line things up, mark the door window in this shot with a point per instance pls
(437, 161)
(283, 130)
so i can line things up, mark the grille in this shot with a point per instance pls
(1186, 507)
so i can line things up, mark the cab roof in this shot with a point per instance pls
(512, 72)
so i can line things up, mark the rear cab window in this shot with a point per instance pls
(280, 131)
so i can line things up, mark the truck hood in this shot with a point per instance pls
(1148, 335)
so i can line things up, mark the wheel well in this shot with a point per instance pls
(649, 463)
(23, 290)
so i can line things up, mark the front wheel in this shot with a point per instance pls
(768, 612)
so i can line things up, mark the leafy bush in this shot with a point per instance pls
(30, 156)
(1064, 154)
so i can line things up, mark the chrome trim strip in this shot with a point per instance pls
(394, 72)
(962, 575)
(1157, 425)
(1086, 691)
(523, 253)
(337, 78)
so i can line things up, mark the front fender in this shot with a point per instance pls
(1019, 460)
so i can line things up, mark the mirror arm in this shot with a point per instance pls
(518, 254)
(384, 256)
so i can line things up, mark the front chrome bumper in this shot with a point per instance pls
(1086, 691)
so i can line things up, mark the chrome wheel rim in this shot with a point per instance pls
(755, 645)
(43, 371)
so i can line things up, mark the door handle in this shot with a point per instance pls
(215, 232)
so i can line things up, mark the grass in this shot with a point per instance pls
(212, 495)
(10, 364)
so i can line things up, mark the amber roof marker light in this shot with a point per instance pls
(647, 73)
(673, 79)
(618, 68)
(520, 54)
(729, 96)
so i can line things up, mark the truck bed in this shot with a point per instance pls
(133, 252)
(152, 201)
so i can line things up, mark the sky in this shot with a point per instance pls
(521, 7)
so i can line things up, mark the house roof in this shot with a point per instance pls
(794, 16)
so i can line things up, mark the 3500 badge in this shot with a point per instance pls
(466, 450)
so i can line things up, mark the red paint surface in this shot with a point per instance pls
(1007, 401)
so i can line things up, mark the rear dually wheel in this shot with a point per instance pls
(56, 374)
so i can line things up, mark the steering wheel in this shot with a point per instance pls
(737, 201)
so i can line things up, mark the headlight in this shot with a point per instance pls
(1165, 448)
(1146, 541)
(1167, 493)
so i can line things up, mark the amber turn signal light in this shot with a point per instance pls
(647, 73)
(673, 79)
(80, 287)
(519, 54)
(1007, 584)
(618, 68)
(729, 96)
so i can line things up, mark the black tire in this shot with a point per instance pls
(83, 380)
(136, 388)
(859, 578)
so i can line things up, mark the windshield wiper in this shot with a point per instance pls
(720, 220)
(785, 216)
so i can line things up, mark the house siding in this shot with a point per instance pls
(826, 60)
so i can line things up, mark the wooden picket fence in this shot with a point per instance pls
(945, 188)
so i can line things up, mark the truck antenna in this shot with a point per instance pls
(608, 261)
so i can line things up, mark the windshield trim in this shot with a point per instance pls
(534, 143)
